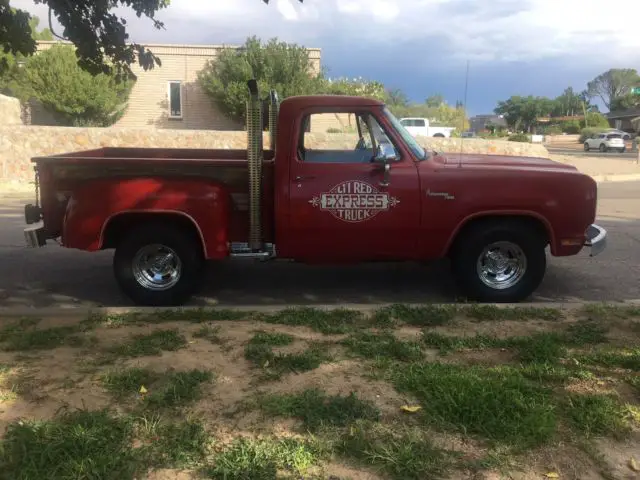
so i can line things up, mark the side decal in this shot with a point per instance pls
(354, 201)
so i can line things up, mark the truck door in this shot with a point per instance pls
(340, 206)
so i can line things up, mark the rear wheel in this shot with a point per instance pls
(586, 147)
(622, 150)
(502, 261)
(157, 265)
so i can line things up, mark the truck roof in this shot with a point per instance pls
(329, 101)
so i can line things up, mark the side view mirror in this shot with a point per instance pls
(385, 153)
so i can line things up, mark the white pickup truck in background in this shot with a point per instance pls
(420, 126)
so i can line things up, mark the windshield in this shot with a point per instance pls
(415, 147)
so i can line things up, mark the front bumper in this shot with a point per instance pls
(34, 236)
(596, 239)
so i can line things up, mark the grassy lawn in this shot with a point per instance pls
(403, 392)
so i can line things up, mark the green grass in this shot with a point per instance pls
(18, 327)
(126, 382)
(329, 322)
(201, 315)
(399, 453)
(627, 358)
(259, 351)
(210, 333)
(153, 343)
(606, 312)
(263, 459)
(473, 399)
(96, 444)
(273, 339)
(23, 336)
(316, 409)
(178, 388)
(164, 390)
(485, 313)
(544, 347)
(595, 415)
(81, 444)
(424, 315)
(173, 445)
(383, 346)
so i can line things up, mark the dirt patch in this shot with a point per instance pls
(618, 457)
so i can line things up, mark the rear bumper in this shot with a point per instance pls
(596, 239)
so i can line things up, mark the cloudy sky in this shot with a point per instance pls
(523, 47)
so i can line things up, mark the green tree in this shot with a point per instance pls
(396, 98)
(521, 113)
(613, 84)
(74, 96)
(284, 67)
(435, 100)
(357, 87)
(567, 104)
(99, 35)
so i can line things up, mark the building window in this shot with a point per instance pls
(175, 99)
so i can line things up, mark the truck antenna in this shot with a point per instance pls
(464, 114)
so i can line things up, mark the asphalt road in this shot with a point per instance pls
(54, 276)
(579, 152)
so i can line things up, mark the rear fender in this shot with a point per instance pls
(98, 205)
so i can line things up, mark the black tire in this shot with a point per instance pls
(586, 147)
(473, 241)
(622, 150)
(438, 135)
(187, 249)
(603, 147)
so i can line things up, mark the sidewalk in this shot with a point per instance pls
(603, 168)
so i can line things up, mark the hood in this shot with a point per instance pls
(497, 161)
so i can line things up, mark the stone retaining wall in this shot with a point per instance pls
(10, 111)
(18, 144)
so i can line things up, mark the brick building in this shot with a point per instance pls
(170, 97)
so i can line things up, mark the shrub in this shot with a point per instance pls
(553, 130)
(571, 127)
(586, 133)
(519, 137)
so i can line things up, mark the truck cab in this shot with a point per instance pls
(372, 193)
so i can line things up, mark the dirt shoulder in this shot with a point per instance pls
(456, 392)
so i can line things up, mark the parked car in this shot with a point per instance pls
(625, 135)
(167, 212)
(421, 126)
(605, 142)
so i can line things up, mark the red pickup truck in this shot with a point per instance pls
(166, 212)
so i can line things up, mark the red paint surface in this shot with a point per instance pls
(412, 225)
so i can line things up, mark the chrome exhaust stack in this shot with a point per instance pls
(255, 158)
(274, 107)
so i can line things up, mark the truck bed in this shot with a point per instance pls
(226, 165)
(63, 173)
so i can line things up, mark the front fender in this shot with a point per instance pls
(93, 205)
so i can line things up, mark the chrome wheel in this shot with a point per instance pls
(156, 267)
(501, 265)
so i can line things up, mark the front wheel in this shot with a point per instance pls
(622, 150)
(603, 147)
(158, 265)
(586, 147)
(500, 262)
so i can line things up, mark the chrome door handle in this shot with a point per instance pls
(304, 177)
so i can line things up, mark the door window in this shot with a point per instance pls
(352, 142)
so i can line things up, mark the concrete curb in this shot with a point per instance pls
(73, 312)
(626, 177)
